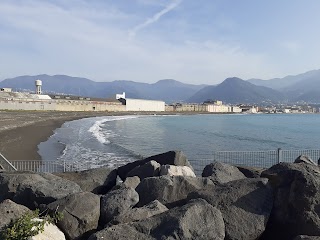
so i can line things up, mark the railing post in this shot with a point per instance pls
(64, 165)
(279, 155)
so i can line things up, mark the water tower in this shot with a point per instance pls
(38, 86)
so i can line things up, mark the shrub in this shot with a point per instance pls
(28, 225)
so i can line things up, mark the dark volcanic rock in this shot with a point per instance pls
(250, 172)
(296, 208)
(195, 220)
(168, 190)
(245, 205)
(81, 212)
(172, 158)
(149, 169)
(32, 189)
(221, 172)
(304, 237)
(10, 211)
(117, 202)
(136, 214)
(98, 180)
(304, 159)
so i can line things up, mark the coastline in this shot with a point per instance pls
(22, 131)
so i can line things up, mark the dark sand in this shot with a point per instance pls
(21, 132)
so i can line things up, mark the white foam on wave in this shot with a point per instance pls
(99, 134)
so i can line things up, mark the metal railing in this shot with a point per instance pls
(5, 164)
(262, 159)
(48, 166)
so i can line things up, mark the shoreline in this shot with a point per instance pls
(22, 131)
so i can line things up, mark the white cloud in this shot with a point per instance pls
(41, 37)
(154, 18)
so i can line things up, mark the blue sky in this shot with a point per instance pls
(193, 41)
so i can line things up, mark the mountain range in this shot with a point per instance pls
(303, 87)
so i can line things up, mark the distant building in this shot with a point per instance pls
(141, 105)
(5, 89)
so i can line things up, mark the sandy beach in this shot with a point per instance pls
(22, 131)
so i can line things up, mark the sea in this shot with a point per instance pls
(116, 140)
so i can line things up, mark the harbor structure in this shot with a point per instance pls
(10, 100)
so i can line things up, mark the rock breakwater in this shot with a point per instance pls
(161, 198)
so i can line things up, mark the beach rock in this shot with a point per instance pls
(132, 182)
(11, 211)
(50, 232)
(250, 172)
(296, 209)
(304, 159)
(170, 191)
(304, 237)
(117, 202)
(221, 172)
(171, 170)
(31, 189)
(149, 169)
(245, 205)
(136, 214)
(176, 158)
(81, 212)
(195, 220)
(98, 180)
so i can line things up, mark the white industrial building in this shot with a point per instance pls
(141, 105)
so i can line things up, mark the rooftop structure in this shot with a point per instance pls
(38, 87)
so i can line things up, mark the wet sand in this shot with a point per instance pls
(21, 132)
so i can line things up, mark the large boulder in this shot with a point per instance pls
(132, 182)
(32, 189)
(11, 211)
(98, 180)
(296, 208)
(50, 232)
(304, 159)
(171, 170)
(136, 214)
(195, 220)
(170, 191)
(149, 169)
(117, 202)
(221, 172)
(245, 205)
(304, 237)
(250, 172)
(81, 212)
(172, 158)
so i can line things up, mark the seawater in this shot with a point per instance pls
(113, 140)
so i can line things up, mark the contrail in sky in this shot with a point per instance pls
(154, 18)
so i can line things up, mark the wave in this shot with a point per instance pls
(102, 135)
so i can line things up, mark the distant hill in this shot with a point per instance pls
(302, 87)
(167, 90)
(236, 90)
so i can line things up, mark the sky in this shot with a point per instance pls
(192, 41)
